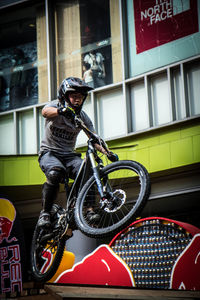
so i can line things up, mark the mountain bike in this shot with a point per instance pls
(117, 192)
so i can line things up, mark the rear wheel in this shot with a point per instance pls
(126, 186)
(47, 248)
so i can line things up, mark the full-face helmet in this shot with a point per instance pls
(72, 84)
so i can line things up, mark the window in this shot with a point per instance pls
(22, 57)
(87, 107)
(27, 132)
(139, 107)
(160, 100)
(83, 39)
(7, 136)
(178, 94)
(40, 126)
(111, 114)
(193, 77)
(88, 41)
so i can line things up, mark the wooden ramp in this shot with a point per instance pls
(91, 292)
(38, 291)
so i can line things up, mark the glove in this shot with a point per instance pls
(112, 156)
(67, 112)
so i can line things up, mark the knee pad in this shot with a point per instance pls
(55, 176)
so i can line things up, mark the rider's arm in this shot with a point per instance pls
(100, 149)
(49, 112)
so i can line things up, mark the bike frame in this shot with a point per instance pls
(90, 162)
(91, 158)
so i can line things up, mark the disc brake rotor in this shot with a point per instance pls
(115, 203)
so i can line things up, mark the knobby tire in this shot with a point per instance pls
(35, 259)
(125, 217)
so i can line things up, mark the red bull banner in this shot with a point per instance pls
(11, 249)
(158, 22)
(155, 253)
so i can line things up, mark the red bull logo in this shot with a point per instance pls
(10, 257)
(7, 217)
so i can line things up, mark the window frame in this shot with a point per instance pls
(126, 94)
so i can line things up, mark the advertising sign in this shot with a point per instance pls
(11, 249)
(155, 253)
(158, 22)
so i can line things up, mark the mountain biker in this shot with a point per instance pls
(57, 156)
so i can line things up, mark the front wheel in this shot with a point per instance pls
(126, 186)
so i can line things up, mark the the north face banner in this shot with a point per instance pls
(158, 22)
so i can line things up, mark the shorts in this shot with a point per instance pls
(69, 164)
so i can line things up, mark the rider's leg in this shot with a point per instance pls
(55, 172)
(49, 195)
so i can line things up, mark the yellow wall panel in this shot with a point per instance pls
(157, 150)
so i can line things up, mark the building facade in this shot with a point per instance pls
(145, 101)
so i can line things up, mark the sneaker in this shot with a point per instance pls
(44, 219)
(92, 216)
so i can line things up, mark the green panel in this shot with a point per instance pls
(16, 172)
(160, 157)
(152, 139)
(1, 173)
(196, 147)
(143, 157)
(161, 149)
(190, 131)
(20, 171)
(171, 135)
(35, 174)
(10, 172)
(129, 154)
(182, 152)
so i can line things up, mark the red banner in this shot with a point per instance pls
(158, 22)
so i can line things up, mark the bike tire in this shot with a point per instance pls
(37, 260)
(135, 177)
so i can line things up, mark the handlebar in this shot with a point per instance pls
(96, 139)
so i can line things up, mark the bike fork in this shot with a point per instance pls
(96, 175)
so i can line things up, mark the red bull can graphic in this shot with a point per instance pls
(10, 256)
(7, 217)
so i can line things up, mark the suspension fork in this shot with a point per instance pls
(96, 174)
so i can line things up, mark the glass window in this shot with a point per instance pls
(27, 132)
(7, 135)
(23, 70)
(193, 75)
(40, 125)
(178, 94)
(139, 107)
(87, 107)
(160, 100)
(111, 114)
(88, 41)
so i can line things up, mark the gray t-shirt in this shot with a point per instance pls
(60, 134)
